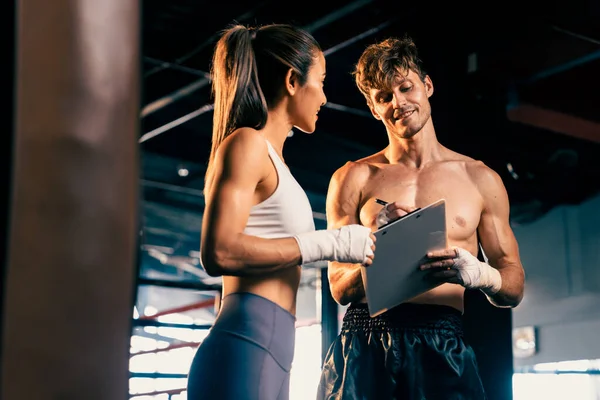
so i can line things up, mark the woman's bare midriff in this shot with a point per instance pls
(280, 288)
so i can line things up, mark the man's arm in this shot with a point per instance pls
(503, 279)
(497, 238)
(342, 208)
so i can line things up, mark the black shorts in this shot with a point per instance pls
(412, 352)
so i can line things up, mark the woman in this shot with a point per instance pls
(258, 226)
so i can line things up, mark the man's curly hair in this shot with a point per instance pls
(381, 63)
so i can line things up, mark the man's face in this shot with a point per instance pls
(404, 108)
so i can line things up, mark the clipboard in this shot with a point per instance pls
(394, 276)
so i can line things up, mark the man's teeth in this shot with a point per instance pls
(398, 115)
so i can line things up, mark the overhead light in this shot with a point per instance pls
(472, 63)
(524, 342)
(183, 171)
(511, 170)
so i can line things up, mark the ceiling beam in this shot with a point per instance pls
(554, 121)
(336, 15)
(163, 65)
(198, 84)
(595, 55)
(176, 122)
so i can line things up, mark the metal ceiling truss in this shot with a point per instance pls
(205, 80)
(552, 120)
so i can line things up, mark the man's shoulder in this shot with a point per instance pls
(357, 170)
(474, 167)
(375, 158)
(351, 172)
(454, 156)
(484, 177)
(479, 172)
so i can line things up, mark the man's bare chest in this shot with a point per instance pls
(463, 200)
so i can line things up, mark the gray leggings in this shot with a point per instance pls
(248, 353)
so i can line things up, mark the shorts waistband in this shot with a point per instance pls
(405, 317)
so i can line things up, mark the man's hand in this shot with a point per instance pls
(456, 265)
(391, 212)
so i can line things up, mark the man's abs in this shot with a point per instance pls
(447, 294)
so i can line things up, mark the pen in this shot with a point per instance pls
(382, 202)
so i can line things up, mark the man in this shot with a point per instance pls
(416, 350)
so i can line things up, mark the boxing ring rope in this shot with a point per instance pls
(181, 345)
(150, 320)
(192, 285)
(180, 309)
(175, 346)
(169, 392)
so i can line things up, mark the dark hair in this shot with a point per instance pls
(381, 62)
(248, 72)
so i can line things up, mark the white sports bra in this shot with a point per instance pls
(287, 212)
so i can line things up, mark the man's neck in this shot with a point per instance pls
(415, 152)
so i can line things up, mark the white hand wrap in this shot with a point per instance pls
(348, 244)
(382, 217)
(475, 274)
